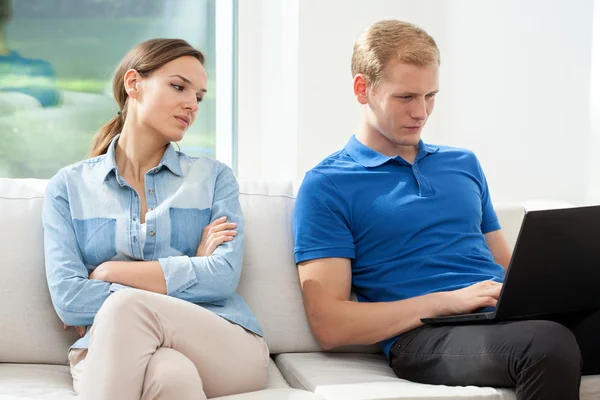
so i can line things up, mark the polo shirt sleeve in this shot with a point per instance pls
(320, 221)
(489, 219)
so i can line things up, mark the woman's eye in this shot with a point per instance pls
(178, 87)
(198, 99)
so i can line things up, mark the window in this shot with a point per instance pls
(57, 58)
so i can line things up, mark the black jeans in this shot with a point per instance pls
(542, 359)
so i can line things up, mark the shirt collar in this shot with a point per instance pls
(170, 160)
(370, 158)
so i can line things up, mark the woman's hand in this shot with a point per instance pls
(215, 234)
(81, 330)
(101, 272)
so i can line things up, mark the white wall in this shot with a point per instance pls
(267, 89)
(515, 88)
(593, 184)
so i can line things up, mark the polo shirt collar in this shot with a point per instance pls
(370, 158)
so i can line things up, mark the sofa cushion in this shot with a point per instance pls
(269, 280)
(368, 377)
(31, 330)
(54, 382)
(273, 394)
(31, 381)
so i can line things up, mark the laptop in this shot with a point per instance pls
(554, 269)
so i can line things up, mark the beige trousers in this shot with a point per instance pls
(145, 345)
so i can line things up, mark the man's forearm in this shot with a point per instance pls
(338, 323)
(145, 275)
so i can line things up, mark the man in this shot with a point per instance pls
(26, 75)
(410, 227)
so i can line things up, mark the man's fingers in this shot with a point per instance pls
(488, 301)
(490, 292)
(487, 284)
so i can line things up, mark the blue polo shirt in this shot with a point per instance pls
(408, 229)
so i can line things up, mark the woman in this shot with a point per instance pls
(140, 221)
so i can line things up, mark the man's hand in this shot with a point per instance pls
(472, 298)
(215, 234)
(80, 329)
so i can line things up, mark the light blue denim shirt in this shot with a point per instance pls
(91, 215)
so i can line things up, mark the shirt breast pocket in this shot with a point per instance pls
(186, 228)
(97, 239)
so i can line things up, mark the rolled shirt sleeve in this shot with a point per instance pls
(211, 279)
(75, 297)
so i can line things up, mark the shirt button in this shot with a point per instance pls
(416, 171)
(151, 233)
(134, 219)
(155, 170)
(151, 191)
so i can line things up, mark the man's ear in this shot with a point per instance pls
(132, 81)
(361, 89)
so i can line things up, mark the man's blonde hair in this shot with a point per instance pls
(392, 39)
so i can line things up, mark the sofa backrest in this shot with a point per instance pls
(30, 330)
(32, 333)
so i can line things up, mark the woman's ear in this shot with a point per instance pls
(132, 81)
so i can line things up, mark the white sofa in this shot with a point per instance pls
(33, 345)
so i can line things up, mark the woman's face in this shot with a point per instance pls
(167, 100)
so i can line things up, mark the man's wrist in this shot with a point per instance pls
(437, 304)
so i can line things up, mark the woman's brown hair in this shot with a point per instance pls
(145, 58)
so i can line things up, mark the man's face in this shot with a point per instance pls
(400, 106)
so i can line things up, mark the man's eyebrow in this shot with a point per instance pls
(186, 80)
(415, 94)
